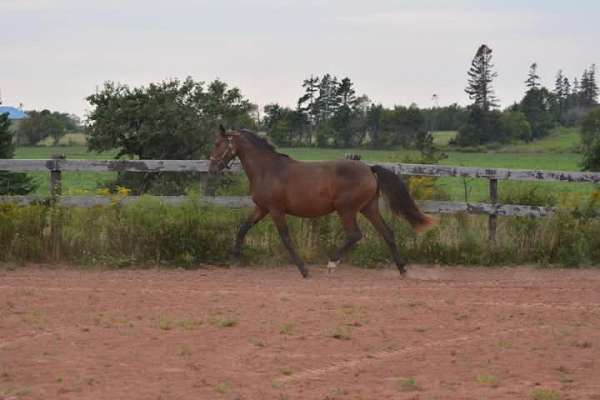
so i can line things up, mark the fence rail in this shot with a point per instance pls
(57, 165)
(202, 166)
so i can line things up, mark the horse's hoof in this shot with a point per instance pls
(402, 271)
(331, 266)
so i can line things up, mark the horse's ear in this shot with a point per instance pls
(222, 130)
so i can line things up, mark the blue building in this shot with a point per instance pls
(14, 114)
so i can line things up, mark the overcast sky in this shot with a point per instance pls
(53, 53)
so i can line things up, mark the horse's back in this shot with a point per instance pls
(320, 187)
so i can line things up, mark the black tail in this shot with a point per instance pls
(400, 199)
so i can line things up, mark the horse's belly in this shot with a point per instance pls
(310, 203)
(310, 212)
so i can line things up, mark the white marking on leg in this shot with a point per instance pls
(331, 266)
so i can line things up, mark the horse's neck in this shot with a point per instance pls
(257, 162)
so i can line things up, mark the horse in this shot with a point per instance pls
(280, 185)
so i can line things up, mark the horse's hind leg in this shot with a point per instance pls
(282, 228)
(371, 212)
(254, 219)
(353, 235)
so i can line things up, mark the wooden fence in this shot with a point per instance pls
(493, 209)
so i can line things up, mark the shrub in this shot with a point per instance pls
(187, 235)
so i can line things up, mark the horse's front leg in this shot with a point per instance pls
(258, 214)
(282, 228)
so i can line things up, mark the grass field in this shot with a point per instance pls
(556, 152)
(442, 138)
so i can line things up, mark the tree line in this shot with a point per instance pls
(330, 114)
(540, 109)
(40, 125)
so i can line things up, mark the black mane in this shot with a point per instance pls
(261, 142)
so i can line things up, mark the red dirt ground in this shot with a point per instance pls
(257, 333)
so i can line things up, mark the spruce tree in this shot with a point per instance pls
(533, 79)
(481, 76)
(11, 183)
(575, 95)
(559, 86)
(591, 89)
(584, 89)
(561, 94)
(566, 88)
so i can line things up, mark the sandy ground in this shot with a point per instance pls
(256, 333)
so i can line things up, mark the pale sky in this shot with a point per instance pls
(53, 53)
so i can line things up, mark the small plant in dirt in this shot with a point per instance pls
(184, 351)
(188, 324)
(461, 317)
(582, 344)
(223, 387)
(227, 322)
(14, 393)
(339, 392)
(286, 371)
(257, 342)
(340, 333)
(408, 385)
(545, 394)
(165, 323)
(286, 329)
(276, 384)
(504, 344)
(490, 380)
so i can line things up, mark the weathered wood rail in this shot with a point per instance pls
(57, 165)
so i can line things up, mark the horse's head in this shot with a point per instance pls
(224, 150)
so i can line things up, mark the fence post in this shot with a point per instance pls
(56, 214)
(492, 218)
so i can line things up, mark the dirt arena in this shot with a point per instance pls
(258, 333)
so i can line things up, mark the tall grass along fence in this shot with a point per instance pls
(31, 227)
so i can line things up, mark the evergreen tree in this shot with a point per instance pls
(346, 93)
(575, 93)
(590, 135)
(537, 107)
(593, 89)
(589, 88)
(481, 76)
(482, 124)
(306, 103)
(328, 97)
(373, 124)
(533, 79)
(11, 183)
(566, 88)
(560, 92)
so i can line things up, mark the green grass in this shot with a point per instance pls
(70, 139)
(73, 182)
(545, 394)
(76, 152)
(441, 138)
(562, 140)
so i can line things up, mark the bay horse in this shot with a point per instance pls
(280, 185)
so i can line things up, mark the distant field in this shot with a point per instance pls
(70, 139)
(441, 138)
(555, 152)
(563, 140)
